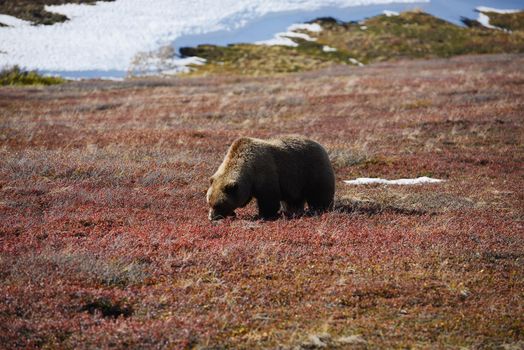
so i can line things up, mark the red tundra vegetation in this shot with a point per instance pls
(105, 241)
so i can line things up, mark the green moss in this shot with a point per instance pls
(412, 34)
(16, 76)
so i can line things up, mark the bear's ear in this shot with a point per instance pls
(230, 187)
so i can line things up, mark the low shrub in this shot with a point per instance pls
(16, 76)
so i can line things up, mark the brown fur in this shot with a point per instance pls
(287, 171)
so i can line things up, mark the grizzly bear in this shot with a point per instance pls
(287, 171)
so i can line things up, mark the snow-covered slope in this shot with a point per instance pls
(107, 36)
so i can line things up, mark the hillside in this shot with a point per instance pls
(412, 34)
(105, 241)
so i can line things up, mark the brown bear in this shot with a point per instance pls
(287, 171)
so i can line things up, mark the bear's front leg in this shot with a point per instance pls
(293, 208)
(268, 206)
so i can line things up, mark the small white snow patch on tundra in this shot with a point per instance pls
(182, 65)
(157, 63)
(326, 48)
(279, 40)
(13, 21)
(108, 78)
(389, 13)
(363, 27)
(284, 38)
(372, 180)
(484, 19)
(310, 27)
(191, 60)
(356, 62)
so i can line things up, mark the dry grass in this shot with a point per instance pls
(70, 265)
(105, 240)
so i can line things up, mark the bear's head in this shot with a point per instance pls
(225, 195)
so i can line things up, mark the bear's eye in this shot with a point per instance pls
(211, 180)
(230, 187)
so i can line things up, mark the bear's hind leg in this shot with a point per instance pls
(320, 202)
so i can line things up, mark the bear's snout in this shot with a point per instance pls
(215, 215)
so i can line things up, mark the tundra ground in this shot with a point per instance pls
(105, 241)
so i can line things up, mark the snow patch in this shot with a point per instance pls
(163, 62)
(390, 13)
(182, 65)
(112, 78)
(326, 48)
(483, 18)
(13, 21)
(310, 27)
(109, 78)
(356, 62)
(278, 40)
(370, 180)
(285, 38)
